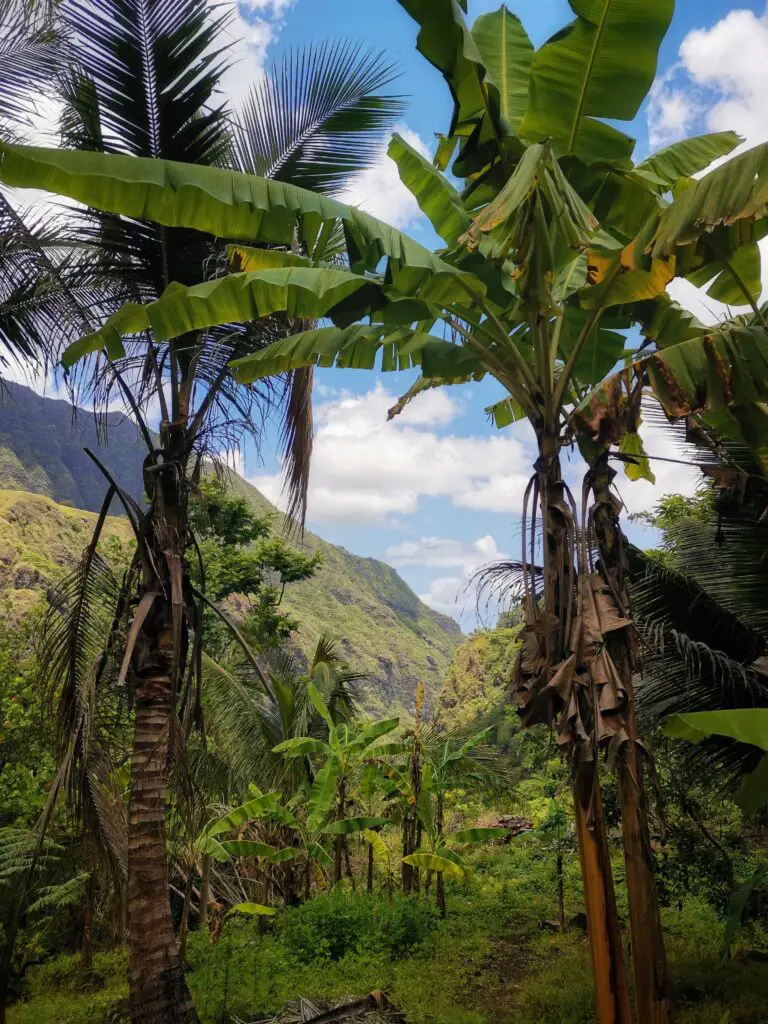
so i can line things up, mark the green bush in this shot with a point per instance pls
(339, 922)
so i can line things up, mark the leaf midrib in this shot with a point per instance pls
(504, 66)
(588, 76)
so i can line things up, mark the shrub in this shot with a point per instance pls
(339, 922)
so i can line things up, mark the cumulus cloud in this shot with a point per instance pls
(379, 191)
(444, 553)
(444, 594)
(366, 470)
(253, 26)
(448, 594)
(718, 84)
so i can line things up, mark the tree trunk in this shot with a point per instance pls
(338, 850)
(559, 582)
(348, 863)
(440, 890)
(86, 944)
(560, 891)
(409, 845)
(159, 993)
(205, 893)
(184, 924)
(369, 884)
(440, 885)
(416, 884)
(611, 992)
(648, 954)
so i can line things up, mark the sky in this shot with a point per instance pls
(437, 492)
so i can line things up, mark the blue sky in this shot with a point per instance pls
(438, 492)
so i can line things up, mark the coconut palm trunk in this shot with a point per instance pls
(648, 953)
(159, 991)
(86, 944)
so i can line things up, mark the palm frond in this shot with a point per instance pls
(48, 294)
(155, 66)
(31, 52)
(316, 118)
(238, 721)
(297, 439)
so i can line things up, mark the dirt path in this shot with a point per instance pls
(496, 987)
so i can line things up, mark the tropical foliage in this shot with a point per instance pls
(207, 269)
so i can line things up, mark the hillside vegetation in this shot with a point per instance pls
(384, 630)
(42, 449)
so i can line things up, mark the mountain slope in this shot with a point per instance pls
(384, 629)
(42, 447)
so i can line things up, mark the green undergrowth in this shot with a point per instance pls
(489, 962)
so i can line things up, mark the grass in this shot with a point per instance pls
(490, 962)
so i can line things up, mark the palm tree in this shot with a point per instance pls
(556, 245)
(143, 82)
(31, 53)
(701, 605)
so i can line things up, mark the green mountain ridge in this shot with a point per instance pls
(385, 631)
(43, 442)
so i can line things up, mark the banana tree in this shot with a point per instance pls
(556, 245)
(439, 856)
(344, 753)
(308, 834)
(445, 763)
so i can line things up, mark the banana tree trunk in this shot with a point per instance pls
(555, 621)
(560, 891)
(406, 869)
(648, 954)
(440, 883)
(184, 925)
(611, 992)
(369, 881)
(338, 849)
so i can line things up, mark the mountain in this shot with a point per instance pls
(476, 689)
(386, 632)
(42, 442)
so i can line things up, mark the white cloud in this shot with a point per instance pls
(253, 27)
(719, 84)
(672, 110)
(366, 470)
(444, 553)
(730, 59)
(671, 477)
(444, 595)
(456, 594)
(379, 191)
